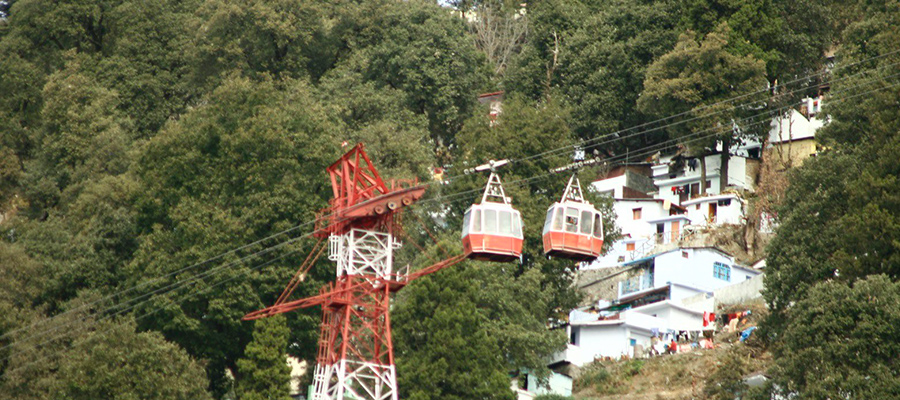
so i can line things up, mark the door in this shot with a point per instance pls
(713, 209)
(676, 230)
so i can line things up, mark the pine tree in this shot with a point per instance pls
(264, 374)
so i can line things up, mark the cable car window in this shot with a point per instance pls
(558, 220)
(598, 226)
(476, 223)
(586, 222)
(490, 221)
(517, 225)
(571, 219)
(549, 221)
(465, 228)
(505, 222)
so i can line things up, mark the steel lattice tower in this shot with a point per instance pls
(355, 353)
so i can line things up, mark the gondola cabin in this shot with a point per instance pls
(492, 230)
(573, 228)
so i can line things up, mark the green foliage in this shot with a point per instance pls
(243, 166)
(840, 219)
(458, 332)
(264, 373)
(727, 381)
(88, 358)
(841, 341)
(603, 51)
(597, 377)
(693, 80)
(790, 36)
(553, 397)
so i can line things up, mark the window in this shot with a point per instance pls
(629, 246)
(684, 254)
(517, 225)
(558, 221)
(466, 218)
(724, 202)
(490, 221)
(476, 224)
(697, 207)
(598, 226)
(722, 271)
(586, 222)
(636, 214)
(505, 222)
(549, 221)
(571, 219)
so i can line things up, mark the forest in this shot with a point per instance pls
(161, 161)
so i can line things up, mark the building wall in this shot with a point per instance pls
(556, 384)
(678, 292)
(739, 293)
(637, 228)
(696, 270)
(792, 154)
(611, 185)
(603, 284)
(731, 214)
(601, 340)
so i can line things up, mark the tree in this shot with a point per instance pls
(118, 363)
(421, 49)
(790, 36)
(839, 216)
(263, 373)
(693, 79)
(89, 358)
(597, 54)
(841, 341)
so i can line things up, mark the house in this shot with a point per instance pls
(627, 333)
(792, 137)
(715, 210)
(704, 269)
(528, 386)
(653, 301)
(638, 221)
(683, 183)
(494, 101)
(627, 181)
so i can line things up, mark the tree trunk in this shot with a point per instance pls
(723, 169)
(703, 175)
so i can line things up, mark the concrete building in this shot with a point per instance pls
(704, 269)
(715, 210)
(792, 137)
(684, 184)
(631, 181)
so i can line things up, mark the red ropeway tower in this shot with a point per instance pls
(355, 355)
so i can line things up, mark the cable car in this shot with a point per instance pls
(573, 228)
(492, 230)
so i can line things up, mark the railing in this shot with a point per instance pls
(657, 239)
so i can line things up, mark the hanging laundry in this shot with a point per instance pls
(747, 332)
(708, 318)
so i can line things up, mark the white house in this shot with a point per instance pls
(704, 269)
(592, 338)
(557, 383)
(685, 184)
(626, 182)
(715, 210)
(639, 222)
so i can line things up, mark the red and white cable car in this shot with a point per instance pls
(492, 230)
(573, 228)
